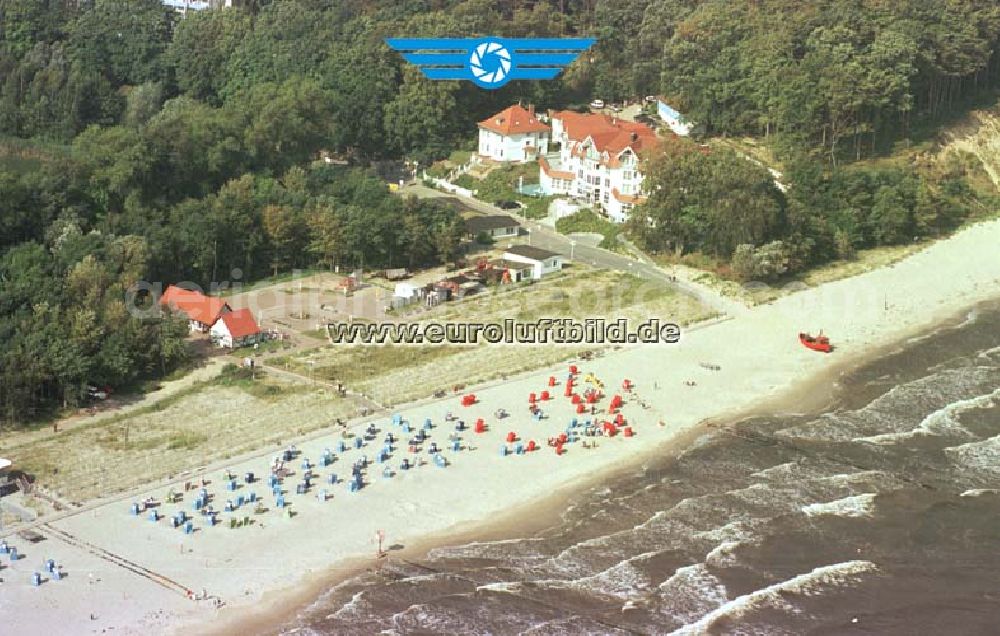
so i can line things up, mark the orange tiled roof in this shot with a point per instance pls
(240, 323)
(610, 135)
(197, 306)
(514, 120)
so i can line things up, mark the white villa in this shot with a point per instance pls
(597, 161)
(514, 134)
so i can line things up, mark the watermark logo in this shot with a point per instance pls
(490, 62)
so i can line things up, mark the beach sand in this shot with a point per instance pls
(266, 570)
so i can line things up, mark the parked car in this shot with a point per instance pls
(507, 204)
(98, 393)
(650, 99)
(597, 103)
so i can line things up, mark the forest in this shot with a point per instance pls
(180, 149)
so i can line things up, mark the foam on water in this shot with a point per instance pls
(622, 580)
(943, 421)
(690, 593)
(775, 595)
(976, 492)
(982, 456)
(484, 549)
(856, 506)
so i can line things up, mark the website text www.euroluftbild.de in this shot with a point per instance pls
(508, 331)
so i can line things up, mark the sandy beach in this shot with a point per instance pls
(133, 575)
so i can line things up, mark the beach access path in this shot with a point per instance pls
(752, 358)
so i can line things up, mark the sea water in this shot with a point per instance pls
(879, 515)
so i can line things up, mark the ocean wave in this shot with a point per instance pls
(943, 421)
(982, 456)
(808, 584)
(622, 580)
(976, 492)
(723, 555)
(903, 410)
(690, 593)
(856, 506)
(572, 626)
(486, 549)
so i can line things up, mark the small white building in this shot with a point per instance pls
(408, 291)
(514, 134)
(495, 226)
(236, 329)
(542, 262)
(672, 118)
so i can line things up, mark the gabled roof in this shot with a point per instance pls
(240, 323)
(609, 135)
(476, 224)
(197, 306)
(514, 120)
(529, 251)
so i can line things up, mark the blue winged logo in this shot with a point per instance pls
(490, 62)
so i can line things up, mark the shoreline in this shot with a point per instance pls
(268, 573)
(813, 396)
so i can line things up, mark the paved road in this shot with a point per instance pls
(547, 238)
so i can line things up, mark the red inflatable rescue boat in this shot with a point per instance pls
(816, 343)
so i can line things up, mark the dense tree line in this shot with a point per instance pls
(817, 74)
(188, 143)
(836, 76)
(103, 225)
(721, 204)
(66, 321)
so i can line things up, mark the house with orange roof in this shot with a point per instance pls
(202, 311)
(598, 161)
(236, 329)
(514, 134)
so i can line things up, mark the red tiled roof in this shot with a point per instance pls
(240, 323)
(197, 306)
(514, 120)
(609, 134)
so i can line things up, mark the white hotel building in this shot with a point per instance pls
(597, 162)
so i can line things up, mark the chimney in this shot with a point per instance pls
(531, 109)
(635, 137)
